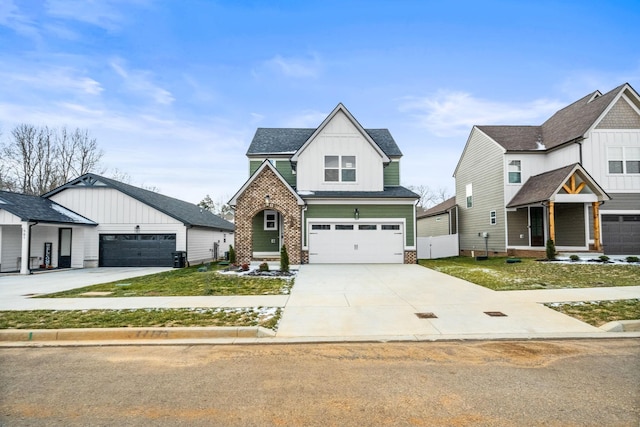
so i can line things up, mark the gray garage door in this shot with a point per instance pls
(137, 250)
(621, 234)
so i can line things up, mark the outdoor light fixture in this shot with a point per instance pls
(267, 200)
(137, 228)
(356, 214)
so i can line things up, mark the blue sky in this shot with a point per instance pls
(174, 90)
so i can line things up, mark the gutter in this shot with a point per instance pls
(29, 248)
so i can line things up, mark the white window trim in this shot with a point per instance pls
(340, 169)
(493, 218)
(519, 172)
(469, 196)
(624, 159)
(266, 221)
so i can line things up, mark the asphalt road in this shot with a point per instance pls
(500, 383)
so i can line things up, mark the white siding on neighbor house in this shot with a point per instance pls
(437, 225)
(482, 165)
(201, 242)
(340, 138)
(596, 161)
(11, 247)
(117, 213)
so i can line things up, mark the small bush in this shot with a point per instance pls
(245, 267)
(263, 267)
(232, 255)
(632, 259)
(603, 258)
(574, 258)
(284, 259)
(551, 249)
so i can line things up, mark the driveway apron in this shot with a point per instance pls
(378, 300)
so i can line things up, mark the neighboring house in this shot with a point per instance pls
(439, 220)
(137, 227)
(574, 179)
(37, 232)
(437, 231)
(330, 194)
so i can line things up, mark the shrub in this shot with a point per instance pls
(245, 267)
(232, 255)
(263, 267)
(603, 258)
(551, 249)
(284, 259)
(632, 259)
(574, 258)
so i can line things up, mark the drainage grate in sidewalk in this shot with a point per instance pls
(426, 316)
(495, 314)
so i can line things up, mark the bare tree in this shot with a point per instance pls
(220, 208)
(124, 177)
(429, 197)
(38, 159)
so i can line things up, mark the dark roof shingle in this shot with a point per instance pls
(187, 213)
(289, 140)
(40, 209)
(393, 192)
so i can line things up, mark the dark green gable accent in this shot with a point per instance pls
(262, 238)
(283, 166)
(392, 174)
(365, 211)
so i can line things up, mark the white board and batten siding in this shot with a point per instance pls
(117, 213)
(596, 159)
(340, 138)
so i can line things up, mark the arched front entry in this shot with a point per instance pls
(267, 209)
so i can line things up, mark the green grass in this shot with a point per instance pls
(597, 313)
(496, 274)
(52, 319)
(185, 282)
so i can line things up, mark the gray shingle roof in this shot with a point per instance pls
(540, 188)
(439, 208)
(394, 192)
(289, 140)
(567, 124)
(40, 209)
(187, 213)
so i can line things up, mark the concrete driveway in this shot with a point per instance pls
(381, 300)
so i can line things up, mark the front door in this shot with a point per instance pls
(64, 256)
(537, 226)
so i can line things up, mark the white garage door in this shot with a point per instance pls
(355, 243)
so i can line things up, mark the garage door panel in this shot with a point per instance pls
(133, 250)
(621, 234)
(356, 242)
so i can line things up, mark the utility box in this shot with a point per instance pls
(179, 259)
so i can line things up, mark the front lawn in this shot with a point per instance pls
(495, 273)
(266, 317)
(597, 313)
(183, 282)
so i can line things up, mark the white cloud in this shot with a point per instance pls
(53, 79)
(139, 81)
(306, 119)
(11, 17)
(455, 113)
(107, 14)
(295, 67)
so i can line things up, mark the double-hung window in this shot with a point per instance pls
(469, 192)
(270, 220)
(623, 160)
(339, 168)
(515, 172)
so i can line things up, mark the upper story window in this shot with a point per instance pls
(493, 218)
(623, 160)
(515, 172)
(469, 192)
(339, 168)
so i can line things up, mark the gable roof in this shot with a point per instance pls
(265, 164)
(185, 212)
(439, 208)
(38, 209)
(273, 141)
(568, 124)
(543, 187)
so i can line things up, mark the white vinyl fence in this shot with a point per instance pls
(438, 246)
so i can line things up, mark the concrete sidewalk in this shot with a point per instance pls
(353, 303)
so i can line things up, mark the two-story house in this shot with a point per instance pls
(574, 179)
(330, 194)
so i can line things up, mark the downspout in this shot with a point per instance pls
(29, 248)
(186, 245)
